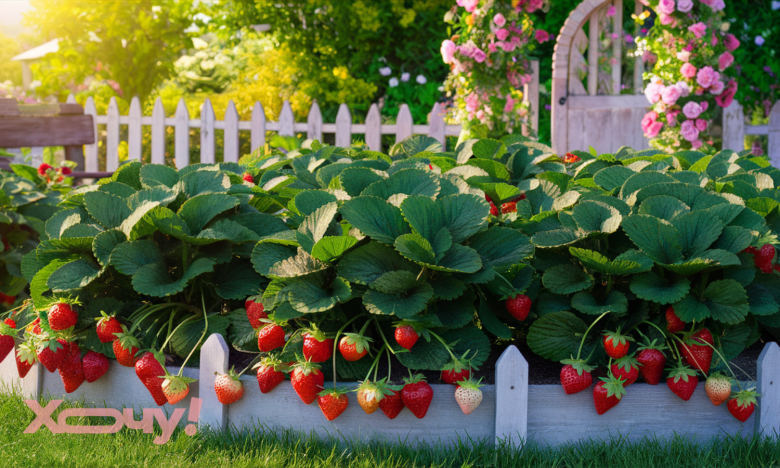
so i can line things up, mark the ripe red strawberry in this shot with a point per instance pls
(270, 337)
(107, 328)
(255, 311)
(228, 388)
(698, 356)
(317, 348)
(7, 333)
(406, 336)
(718, 388)
(457, 370)
(176, 388)
(43, 168)
(25, 358)
(332, 402)
(741, 406)
(766, 253)
(626, 369)
(151, 372)
(125, 348)
(307, 381)
(270, 373)
(248, 177)
(673, 323)
(353, 346)
(417, 395)
(367, 396)
(575, 376)
(62, 316)
(468, 395)
(616, 344)
(519, 306)
(652, 361)
(10, 322)
(53, 352)
(571, 158)
(71, 370)
(391, 404)
(607, 394)
(493, 209)
(35, 327)
(65, 170)
(509, 207)
(682, 382)
(95, 365)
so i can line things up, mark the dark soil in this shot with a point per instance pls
(541, 371)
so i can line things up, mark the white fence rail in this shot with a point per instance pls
(735, 129)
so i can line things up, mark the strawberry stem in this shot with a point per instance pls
(336, 343)
(511, 286)
(388, 366)
(585, 335)
(387, 345)
(374, 364)
(449, 350)
(202, 335)
(675, 352)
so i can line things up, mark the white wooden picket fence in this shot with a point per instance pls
(735, 129)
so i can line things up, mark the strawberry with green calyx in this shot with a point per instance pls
(417, 395)
(333, 402)
(616, 344)
(519, 305)
(108, 328)
(407, 333)
(150, 369)
(652, 361)
(608, 393)
(576, 375)
(10, 322)
(367, 396)
(718, 388)
(61, 314)
(468, 395)
(25, 358)
(764, 258)
(392, 403)
(353, 346)
(673, 322)
(126, 347)
(52, 352)
(255, 311)
(626, 368)
(34, 327)
(71, 370)
(7, 334)
(457, 369)
(697, 350)
(270, 336)
(317, 347)
(682, 381)
(176, 387)
(742, 404)
(570, 158)
(95, 365)
(270, 373)
(228, 387)
(247, 177)
(307, 380)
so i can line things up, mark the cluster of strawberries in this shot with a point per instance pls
(764, 258)
(308, 380)
(51, 344)
(508, 207)
(54, 175)
(694, 354)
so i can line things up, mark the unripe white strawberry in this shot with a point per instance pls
(468, 395)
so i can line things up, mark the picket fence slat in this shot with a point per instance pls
(404, 124)
(71, 99)
(112, 136)
(617, 46)
(91, 151)
(134, 133)
(207, 132)
(158, 133)
(437, 125)
(314, 122)
(286, 120)
(258, 126)
(373, 129)
(773, 147)
(343, 126)
(735, 129)
(182, 135)
(230, 153)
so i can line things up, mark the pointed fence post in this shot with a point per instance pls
(403, 124)
(374, 129)
(134, 133)
(768, 386)
(158, 133)
(258, 126)
(734, 127)
(511, 397)
(182, 135)
(71, 99)
(531, 96)
(213, 359)
(437, 126)
(343, 127)
(314, 123)
(207, 132)
(773, 148)
(90, 163)
(230, 152)
(286, 120)
(112, 135)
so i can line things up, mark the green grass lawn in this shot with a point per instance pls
(129, 448)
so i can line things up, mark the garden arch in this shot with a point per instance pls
(597, 115)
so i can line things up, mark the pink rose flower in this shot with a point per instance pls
(499, 20)
(479, 55)
(717, 5)
(472, 102)
(542, 36)
(480, 114)
(717, 87)
(666, 7)
(533, 5)
(469, 5)
(666, 20)
(701, 125)
(653, 92)
(685, 90)
(654, 129)
(493, 47)
(683, 55)
(684, 6)
(731, 42)
(725, 98)
(704, 106)
(707, 76)
(698, 29)
(510, 104)
(611, 10)
(648, 120)
(671, 118)
(671, 94)
(692, 110)
(689, 131)
(725, 60)
(502, 34)
(696, 144)
(714, 40)
(688, 71)
(448, 49)
(507, 46)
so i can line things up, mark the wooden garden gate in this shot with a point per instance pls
(599, 115)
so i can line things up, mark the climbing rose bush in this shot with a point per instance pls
(488, 56)
(692, 77)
